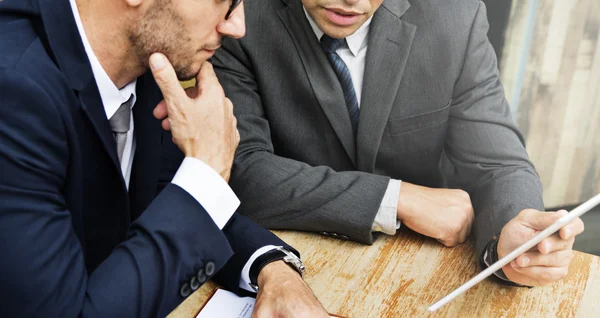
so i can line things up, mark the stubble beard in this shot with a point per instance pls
(161, 30)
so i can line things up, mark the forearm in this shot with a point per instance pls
(149, 270)
(483, 143)
(245, 238)
(281, 193)
(141, 277)
(499, 200)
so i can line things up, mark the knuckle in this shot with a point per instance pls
(465, 195)
(466, 213)
(463, 220)
(546, 276)
(161, 79)
(449, 242)
(454, 228)
(454, 232)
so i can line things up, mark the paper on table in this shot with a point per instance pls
(225, 304)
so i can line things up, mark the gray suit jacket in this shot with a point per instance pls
(431, 91)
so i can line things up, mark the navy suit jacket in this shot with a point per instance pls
(73, 240)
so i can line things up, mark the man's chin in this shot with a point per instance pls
(185, 77)
(188, 72)
(185, 74)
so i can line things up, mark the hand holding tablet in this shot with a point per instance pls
(574, 214)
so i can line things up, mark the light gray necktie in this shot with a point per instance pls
(119, 123)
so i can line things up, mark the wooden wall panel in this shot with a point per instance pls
(559, 109)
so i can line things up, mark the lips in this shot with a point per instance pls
(210, 50)
(342, 17)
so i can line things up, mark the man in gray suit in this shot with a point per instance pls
(349, 110)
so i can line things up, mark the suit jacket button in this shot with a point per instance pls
(194, 284)
(201, 276)
(344, 237)
(209, 269)
(324, 233)
(185, 290)
(335, 235)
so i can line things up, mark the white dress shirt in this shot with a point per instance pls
(354, 55)
(194, 176)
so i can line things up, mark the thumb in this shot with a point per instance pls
(541, 220)
(165, 77)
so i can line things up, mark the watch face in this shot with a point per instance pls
(293, 260)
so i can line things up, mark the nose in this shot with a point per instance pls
(235, 26)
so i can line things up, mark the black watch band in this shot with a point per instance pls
(491, 257)
(276, 254)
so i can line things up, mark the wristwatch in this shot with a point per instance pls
(490, 256)
(276, 254)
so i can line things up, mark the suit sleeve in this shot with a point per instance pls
(484, 145)
(282, 193)
(245, 238)
(43, 268)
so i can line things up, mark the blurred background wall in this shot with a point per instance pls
(549, 56)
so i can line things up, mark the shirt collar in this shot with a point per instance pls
(356, 41)
(112, 97)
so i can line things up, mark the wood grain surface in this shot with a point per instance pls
(402, 275)
(559, 109)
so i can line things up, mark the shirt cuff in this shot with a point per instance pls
(208, 188)
(245, 275)
(386, 220)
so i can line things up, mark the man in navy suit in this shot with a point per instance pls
(84, 230)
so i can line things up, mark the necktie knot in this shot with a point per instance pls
(330, 45)
(119, 122)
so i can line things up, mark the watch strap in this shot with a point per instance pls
(490, 256)
(276, 254)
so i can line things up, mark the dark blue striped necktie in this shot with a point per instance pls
(330, 45)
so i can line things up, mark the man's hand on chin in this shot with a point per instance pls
(283, 293)
(549, 260)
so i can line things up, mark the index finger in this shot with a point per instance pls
(574, 228)
(165, 77)
(539, 220)
(206, 77)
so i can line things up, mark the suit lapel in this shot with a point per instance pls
(92, 107)
(67, 48)
(323, 80)
(390, 41)
(146, 162)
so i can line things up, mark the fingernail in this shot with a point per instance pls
(157, 62)
(525, 260)
(567, 234)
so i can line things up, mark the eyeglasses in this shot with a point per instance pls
(234, 4)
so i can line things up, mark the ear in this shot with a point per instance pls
(134, 3)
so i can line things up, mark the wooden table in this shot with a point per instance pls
(402, 275)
